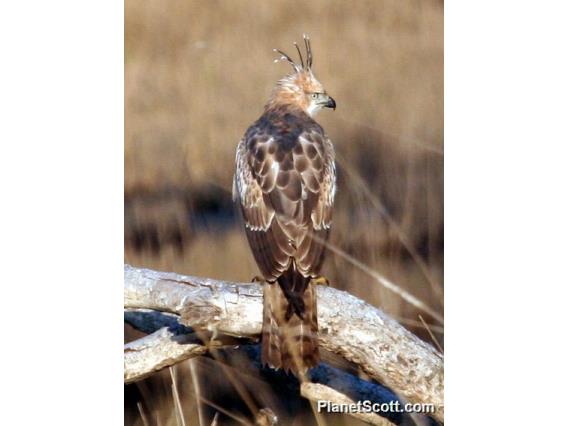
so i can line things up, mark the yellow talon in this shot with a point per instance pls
(320, 280)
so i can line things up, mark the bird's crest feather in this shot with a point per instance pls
(298, 68)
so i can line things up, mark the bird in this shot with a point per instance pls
(285, 185)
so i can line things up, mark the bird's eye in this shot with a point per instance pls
(315, 95)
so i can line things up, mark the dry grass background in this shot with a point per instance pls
(197, 74)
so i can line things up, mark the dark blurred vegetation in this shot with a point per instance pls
(197, 75)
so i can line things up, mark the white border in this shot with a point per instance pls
(61, 155)
(506, 212)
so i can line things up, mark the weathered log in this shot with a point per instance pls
(348, 326)
(156, 351)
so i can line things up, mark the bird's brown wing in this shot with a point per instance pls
(286, 194)
(286, 190)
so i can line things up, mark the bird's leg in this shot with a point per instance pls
(320, 280)
(213, 343)
(208, 336)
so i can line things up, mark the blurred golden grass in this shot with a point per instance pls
(197, 74)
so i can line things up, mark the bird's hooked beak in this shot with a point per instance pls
(330, 103)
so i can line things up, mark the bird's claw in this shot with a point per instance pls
(320, 280)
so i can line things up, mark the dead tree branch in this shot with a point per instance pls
(357, 331)
(156, 351)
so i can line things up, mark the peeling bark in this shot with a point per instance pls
(348, 326)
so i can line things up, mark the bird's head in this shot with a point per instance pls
(300, 89)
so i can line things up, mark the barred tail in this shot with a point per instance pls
(290, 327)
